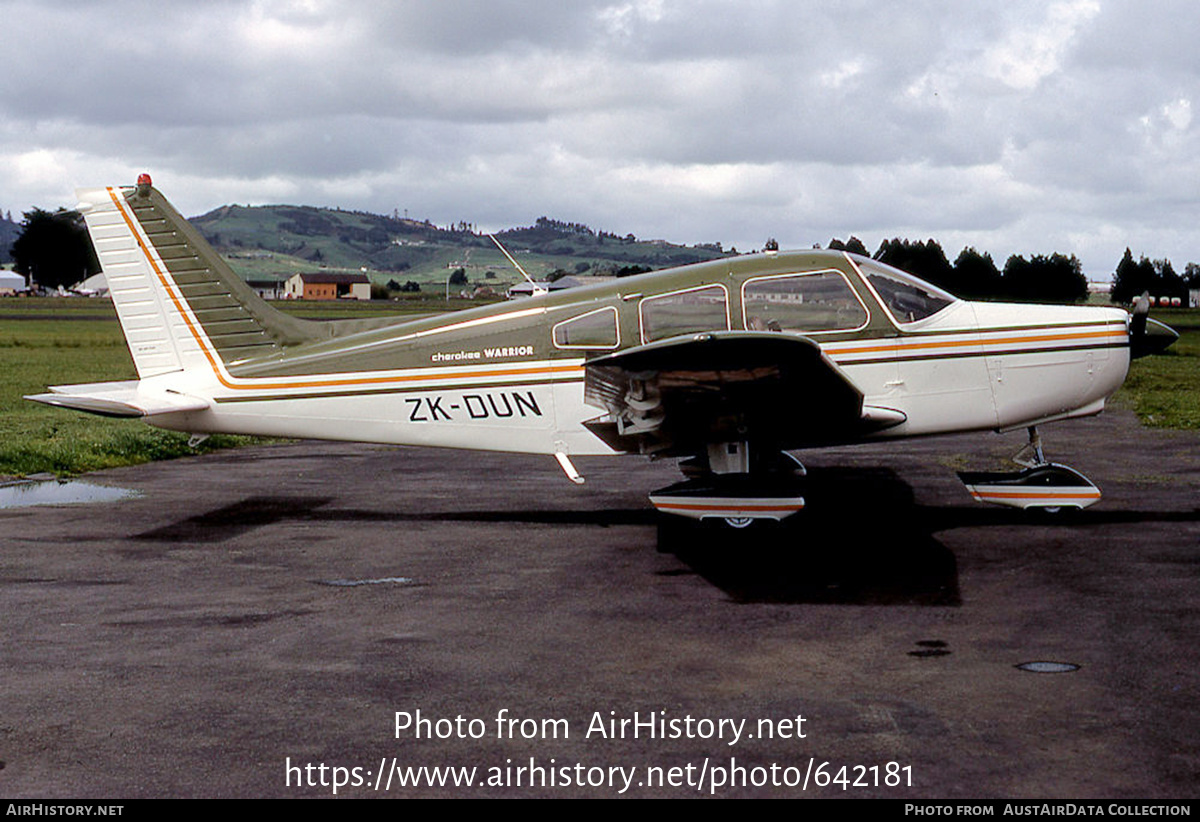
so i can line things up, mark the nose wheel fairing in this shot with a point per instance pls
(1048, 486)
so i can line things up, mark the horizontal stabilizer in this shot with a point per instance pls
(118, 399)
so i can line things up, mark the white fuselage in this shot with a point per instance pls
(978, 366)
(973, 366)
(214, 358)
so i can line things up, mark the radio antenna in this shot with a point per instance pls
(537, 288)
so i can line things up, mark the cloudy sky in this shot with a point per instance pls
(1015, 126)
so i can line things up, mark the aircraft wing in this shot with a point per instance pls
(118, 399)
(678, 395)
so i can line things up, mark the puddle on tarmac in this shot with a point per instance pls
(53, 492)
(354, 583)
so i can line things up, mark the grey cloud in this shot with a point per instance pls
(1026, 124)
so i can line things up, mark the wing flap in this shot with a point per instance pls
(118, 399)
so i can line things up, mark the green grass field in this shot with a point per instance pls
(1164, 390)
(59, 341)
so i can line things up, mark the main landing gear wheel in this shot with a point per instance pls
(734, 493)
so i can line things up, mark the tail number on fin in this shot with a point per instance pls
(483, 406)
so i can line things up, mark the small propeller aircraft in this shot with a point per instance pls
(726, 365)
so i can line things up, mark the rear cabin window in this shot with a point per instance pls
(820, 301)
(596, 329)
(685, 312)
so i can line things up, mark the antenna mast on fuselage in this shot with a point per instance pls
(537, 287)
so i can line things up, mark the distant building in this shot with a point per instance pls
(269, 289)
(323, 286)
(1194, 298)
(11, 283)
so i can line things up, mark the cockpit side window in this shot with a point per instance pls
(809, 302)
(684, 312)
(906, 298)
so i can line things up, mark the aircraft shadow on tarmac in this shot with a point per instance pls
(233, 520)
(861, 540)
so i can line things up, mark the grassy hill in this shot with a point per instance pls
(274, 242)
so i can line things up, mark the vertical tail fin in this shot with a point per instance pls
(180, 304)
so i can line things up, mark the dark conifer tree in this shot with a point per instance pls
(54, 249)
(975, 275)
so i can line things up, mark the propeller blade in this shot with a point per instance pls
(1147, 336)
(1140, 312)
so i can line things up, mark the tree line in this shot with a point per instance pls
(53, 249)
(1156, 277)
(1055, 278)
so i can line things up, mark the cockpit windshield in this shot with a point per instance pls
(907, 298)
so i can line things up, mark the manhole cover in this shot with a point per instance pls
(1049, 667)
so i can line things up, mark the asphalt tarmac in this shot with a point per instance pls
(254, 621)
